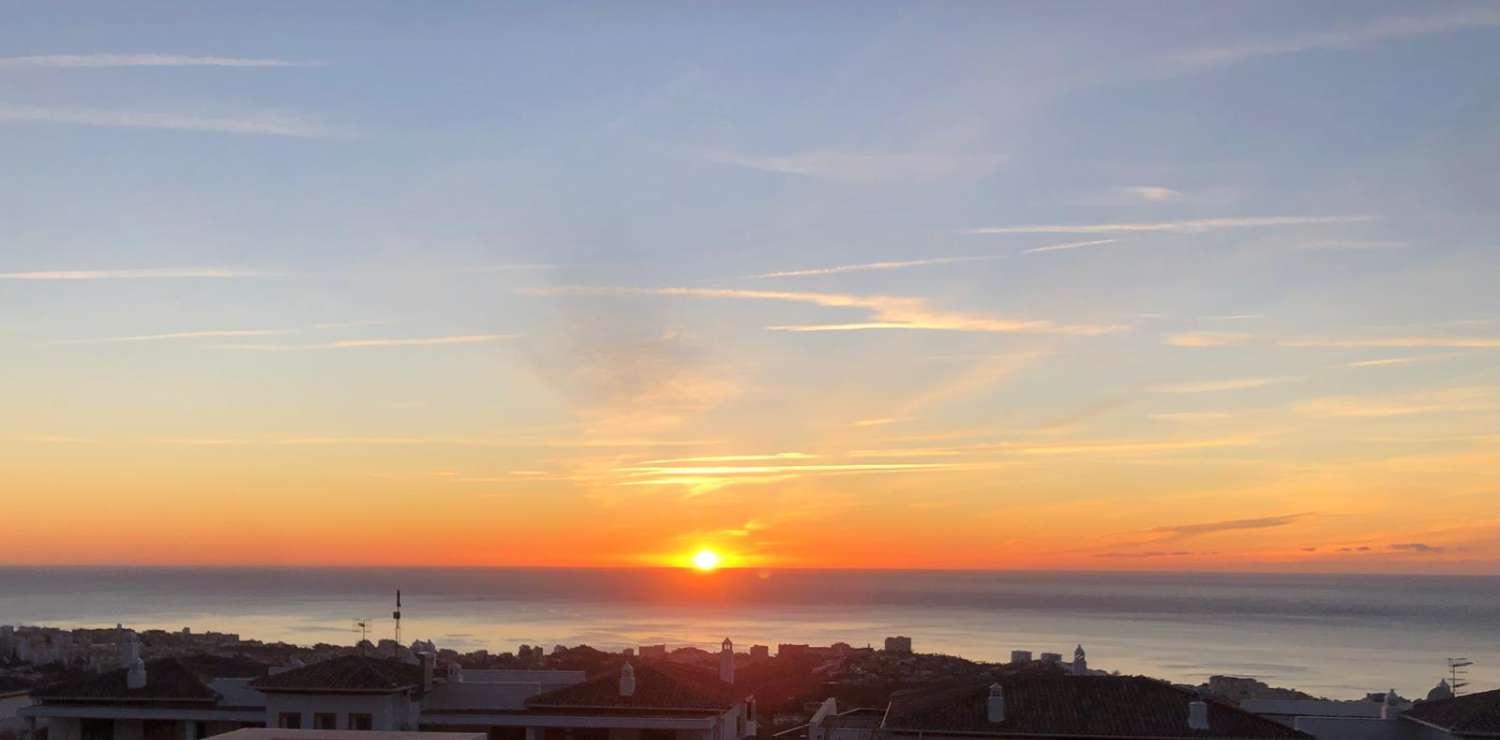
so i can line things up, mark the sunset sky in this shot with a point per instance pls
(959, 285)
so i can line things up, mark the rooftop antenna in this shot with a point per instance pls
(397, 616)
(363, 625)
(1457, 670)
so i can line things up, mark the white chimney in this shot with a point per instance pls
(726, 661)
(428, 661)
(135, 677)
(455, 673)
(994, 707)
(1197, 715)
(627, 680)
(130, 650)
(1385, 704)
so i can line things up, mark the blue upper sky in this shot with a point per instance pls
(230, 223)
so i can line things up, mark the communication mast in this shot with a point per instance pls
(1457, 672)
(397, 616)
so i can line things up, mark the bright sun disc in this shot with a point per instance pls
(706, 560)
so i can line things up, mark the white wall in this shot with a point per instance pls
(387, 711)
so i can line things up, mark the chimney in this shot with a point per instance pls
(455, 673)
(994, 707)
(1197, 714)
(135, 678)
(130, 660)
(428, 661)
(627, 680)
(726, 661)
(1386, 703)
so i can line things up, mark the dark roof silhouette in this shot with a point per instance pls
(1049, 705)
(658, 685)
(349, 673)
(167, 679)
(1474, 714)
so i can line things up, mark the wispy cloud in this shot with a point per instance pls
(1336, 244)
(735, 458)
(153, 273)
(1409, 342)
(1392, 361)
(870, 266)
(1420, 547)
(1069, 245)
(1383, 29)
(1152, 193)
(1439, 401)
(94, 61)
(887, 312)
(1264, 522)
(251, 124)
(215, 333)
(1214, 386)
(1187, 227)
(371, 343)
(1192, 417)
(1146, 554)
(1209, 339)
(860, 166)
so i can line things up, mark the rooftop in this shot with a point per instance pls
(346, 674)
(1474, 714)
(658, 685)
(167, 679)
(1073, 706)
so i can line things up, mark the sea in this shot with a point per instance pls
(1339, 636)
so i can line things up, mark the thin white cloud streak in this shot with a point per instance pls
(370, 343)
(1408, 360)
(1153, 193)
(1397, 343)
(181, 335)
(1108, 447)
(870, 266)
(735, 458)
(1441, 401)
(1215, 386)
(252, 124)
(1383, 29)
(1337, 244)
(889, 312)
(1196, 226)
(1209, 339)
(102, 61)
(161, 273)
(860, 167)
(1069, 245)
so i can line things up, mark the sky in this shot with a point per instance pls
(1138, 286)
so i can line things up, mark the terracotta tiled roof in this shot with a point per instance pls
(1074, 706)
(350, 673)
(167, 679)
(1475, 714)
(658, 685)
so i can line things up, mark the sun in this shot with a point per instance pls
(706, 560)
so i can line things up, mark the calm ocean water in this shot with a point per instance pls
(1337, 635)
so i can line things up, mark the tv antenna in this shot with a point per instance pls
(1457, 673)
(363, 625)
(397, 616)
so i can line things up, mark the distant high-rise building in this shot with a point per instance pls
(760, 652)
(898, 644)
(1020, 656)
(653, 652)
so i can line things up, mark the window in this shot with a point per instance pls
(97, 729)
(160, 729)
(507, 733)
(325, 721)
(289, 721)
(360, 722)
